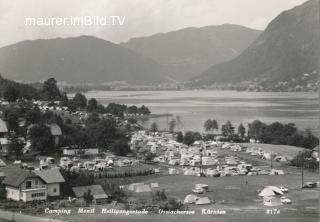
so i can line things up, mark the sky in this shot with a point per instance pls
(142, 17)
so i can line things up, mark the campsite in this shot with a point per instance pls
(237, 195)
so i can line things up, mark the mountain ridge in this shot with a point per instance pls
(288, 48)
(189, 51)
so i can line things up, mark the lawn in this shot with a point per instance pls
(285, 150)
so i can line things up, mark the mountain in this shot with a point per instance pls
(81, 59)
(287, 50)
(190, 51)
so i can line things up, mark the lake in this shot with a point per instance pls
(196, 106)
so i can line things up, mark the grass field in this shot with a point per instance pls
(285, 150)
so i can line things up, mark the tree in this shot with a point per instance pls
(146, 155)
(241, 130)
(180, 137)
(188, 138)
(50, 90)
(11, 94)
(92, 105)
(179, 122)
(143, 110)
(41, 139)
(208, 125)
(172, 125)
(154, 127)
(33, 115)
(116, 109)
(132, 110)
(15, 145)
(79, 101)
(215, 125)
(256, 129)
(93, 118)
(11, 116)
(120, 147)
(197, 136)
(88, 197)
(227, 129)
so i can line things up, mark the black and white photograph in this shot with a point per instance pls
(159, 110)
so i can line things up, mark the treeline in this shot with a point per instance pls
(12, 91)
(25, 119)
(275, 133)
(284, 134)
(49, 91)
(79, 101)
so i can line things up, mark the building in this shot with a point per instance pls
(52, 179)
(88, 151)
(24, 185)
(55, 132)
(99, 196)
(3, 129)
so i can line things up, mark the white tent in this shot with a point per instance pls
(132, 187)
(201, 186)
(154, 185)
(203, 200)
(142, 188)
(270, 191)
(190, 172)
(173, 171)
(190, 198)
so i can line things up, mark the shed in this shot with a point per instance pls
(99, 196)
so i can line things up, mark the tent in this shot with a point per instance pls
(154, 185)
(190, 172)
(142, 188)
(190, 198)
(173, 171)
(202, 186)
(272, 201)
(132, 187)
(203, 200)
(270, 191)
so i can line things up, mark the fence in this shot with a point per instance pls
(9, 216)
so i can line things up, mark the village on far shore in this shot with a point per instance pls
(73, 152)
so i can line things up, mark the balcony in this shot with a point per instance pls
(35, 187)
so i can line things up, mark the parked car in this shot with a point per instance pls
(283, 189)
(198, 190)
(310, 185)
(285, 200)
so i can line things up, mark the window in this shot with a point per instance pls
(36, 182)
(28, 184)
(33, 195)
(54, 190)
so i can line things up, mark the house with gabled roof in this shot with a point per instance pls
(24, 185)
(52, 179)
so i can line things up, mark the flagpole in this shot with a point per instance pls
(319, 104)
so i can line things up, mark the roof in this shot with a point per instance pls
(4, 141)
(3, 126)
(96, 191)
(50, 176)
(55, 129)
(16, 176)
